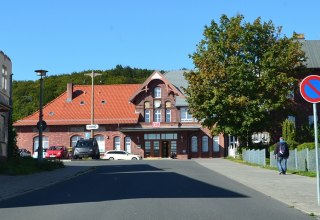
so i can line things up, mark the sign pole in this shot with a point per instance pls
(310, 91)
(315, 122)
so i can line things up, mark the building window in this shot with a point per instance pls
(311, 120)
(101, 142)
(168, 115)
(2, 129)
(292, 119)
(4, 77)
(146, 115)
(157, 115)
(194, 144)
(156, 148)
(128, 144)
(205, 144)
(157, 92)
(74, 140)
(147, 148)
(173, 147)
(117, 143)
(185, 116)
(45, 143)
(215, 143)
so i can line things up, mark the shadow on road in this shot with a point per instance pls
(119, 182)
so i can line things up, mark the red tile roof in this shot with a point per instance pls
(116, 110)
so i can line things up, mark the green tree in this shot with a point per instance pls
(244, 74)
(289, 133)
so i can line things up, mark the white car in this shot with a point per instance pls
(120, 155)
(35, 153)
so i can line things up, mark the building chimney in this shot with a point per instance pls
(69, 92)
(299, 36)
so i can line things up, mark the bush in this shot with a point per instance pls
(28, 165)
(309, 145)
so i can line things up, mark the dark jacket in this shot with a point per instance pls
(286, 150)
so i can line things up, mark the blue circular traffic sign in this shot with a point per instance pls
(310, 88)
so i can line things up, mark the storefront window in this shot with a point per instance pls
(216, 144)
(156, 148)
(194, 144)
(174, 147)
(147, 148)
(205, 147)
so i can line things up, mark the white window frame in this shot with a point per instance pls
(101, 142)
(168, 115)
(147, 115)
(157, 115)
(185, 116)
(157, 92)
(128, 144)
(45, 142)
(4, 77)
(117, 143)
(74, 140)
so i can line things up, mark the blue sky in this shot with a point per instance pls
(65, 36)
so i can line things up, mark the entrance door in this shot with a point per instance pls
(165, 149)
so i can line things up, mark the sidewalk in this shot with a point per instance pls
(296, 191)
(11, 186)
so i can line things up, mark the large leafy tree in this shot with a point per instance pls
(244, 74)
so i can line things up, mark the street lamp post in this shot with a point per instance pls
(92, 74)
(41, 124)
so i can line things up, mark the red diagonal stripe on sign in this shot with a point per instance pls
(313, 88)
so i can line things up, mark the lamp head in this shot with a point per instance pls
(41, 73)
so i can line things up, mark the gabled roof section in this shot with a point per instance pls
(111, 106)
(156, 75)
(177, 78)
(312, 50)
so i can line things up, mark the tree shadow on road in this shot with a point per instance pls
(120, 182)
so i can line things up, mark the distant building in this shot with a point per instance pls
(5, 102)
(150, 119)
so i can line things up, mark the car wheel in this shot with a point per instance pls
(134, 158)
(111, 158)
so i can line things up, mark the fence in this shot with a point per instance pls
(254, 156)
(304, 160)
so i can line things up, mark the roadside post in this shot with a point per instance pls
(310, 91)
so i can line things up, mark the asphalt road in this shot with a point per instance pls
(161, 189)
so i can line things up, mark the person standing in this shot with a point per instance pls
(281, 153)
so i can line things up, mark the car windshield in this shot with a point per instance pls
(55, 148)
(83, 144)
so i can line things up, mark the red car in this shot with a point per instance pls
(59, 152)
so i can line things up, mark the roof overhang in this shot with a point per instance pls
(160, 129)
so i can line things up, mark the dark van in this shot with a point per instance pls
(86, 148)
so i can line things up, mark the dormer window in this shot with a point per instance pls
(157, 92)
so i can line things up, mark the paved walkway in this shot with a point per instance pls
(296, 191)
